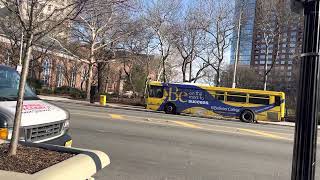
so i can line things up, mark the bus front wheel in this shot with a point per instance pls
(170, 109)
(247, 116)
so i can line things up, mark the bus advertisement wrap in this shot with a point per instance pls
(190, 96)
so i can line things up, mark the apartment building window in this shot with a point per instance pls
(73, 77)
(60, 76)
(283, 62)
(292, 45)
(46, 71)
(262, 62)
(282, 67)
(289, 67)
(262, 57)
(32, 73)
(290, 62)
(289, 73)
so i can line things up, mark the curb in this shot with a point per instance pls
(83, 165)
(126, 107)
(98, 105)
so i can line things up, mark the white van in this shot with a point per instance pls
(41, 121)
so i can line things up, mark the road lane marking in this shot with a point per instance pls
(186, 124)
(218, 128)
(116, 116)
(263, 133)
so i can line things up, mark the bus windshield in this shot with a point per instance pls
(9, 85)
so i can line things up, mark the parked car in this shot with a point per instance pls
(41, 121)
(128, 94)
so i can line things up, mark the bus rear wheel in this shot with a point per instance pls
(247, 116)
(170, 109)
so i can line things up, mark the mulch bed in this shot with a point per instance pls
(29, 159)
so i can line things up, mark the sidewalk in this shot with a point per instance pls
(137, 108)
(111, 105)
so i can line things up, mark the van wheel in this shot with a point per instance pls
(247, 116)
(170, 109)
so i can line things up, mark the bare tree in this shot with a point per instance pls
(98, 28)
(189, 38)
(137, 62)
(272, 19)
(36, 21)
(160, 16)
(218, 26)
(247, 78)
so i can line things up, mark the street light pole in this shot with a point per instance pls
(237, 51)
(21, 49)
(305, 141)
(19, 66)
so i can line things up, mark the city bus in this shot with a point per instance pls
(209, 101)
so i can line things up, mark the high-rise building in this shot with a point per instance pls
(277, 42)
(247, 8)
(273, 38)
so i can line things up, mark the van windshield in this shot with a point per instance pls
(9, 85)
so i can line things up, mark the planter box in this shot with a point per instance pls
(82, 166)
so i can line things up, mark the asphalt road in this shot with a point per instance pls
(155, 146)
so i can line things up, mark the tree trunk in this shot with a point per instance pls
(19, 105)
(218, 76)
(89, 80)
(184, 72)
(102, 77)
(164, 71)
(190, 71)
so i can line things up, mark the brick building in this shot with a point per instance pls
(55, 68)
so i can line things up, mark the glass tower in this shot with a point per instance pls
(246, 31)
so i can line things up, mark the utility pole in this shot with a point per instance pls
(305, 141)
(237, 49)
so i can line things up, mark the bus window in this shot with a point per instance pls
(259, 99)
(220, 95)
(277, 101)
(156, 91)
(236, 97)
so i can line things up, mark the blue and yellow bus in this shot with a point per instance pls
(209, 101)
